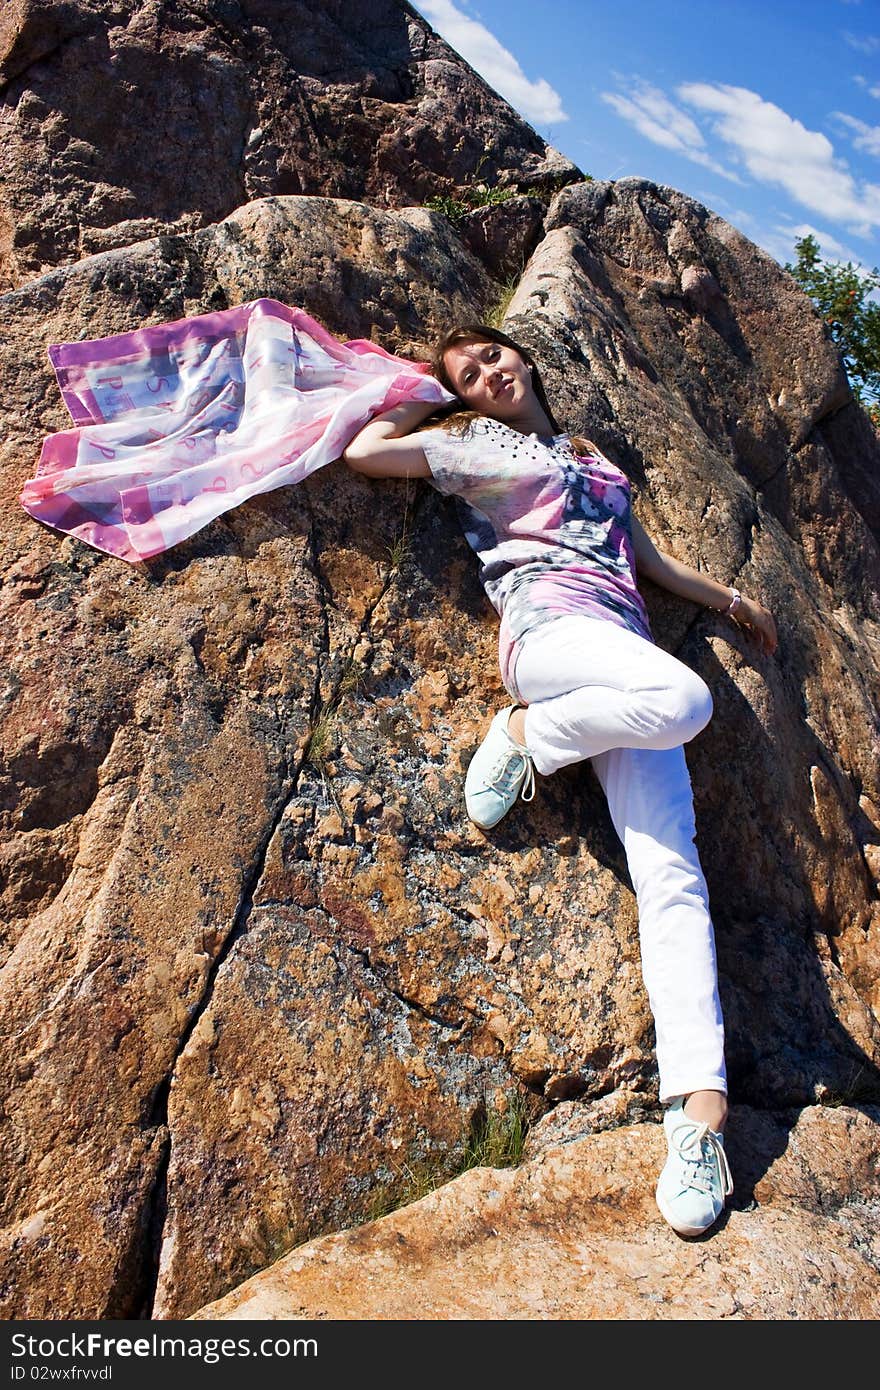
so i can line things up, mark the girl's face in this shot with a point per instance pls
(490, 378)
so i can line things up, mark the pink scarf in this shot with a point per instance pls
(178, 423)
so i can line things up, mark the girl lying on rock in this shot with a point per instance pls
(549, 517)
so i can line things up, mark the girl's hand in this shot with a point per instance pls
(755, 618)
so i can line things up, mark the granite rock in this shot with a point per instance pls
(573, 1234)
(123, 118)
(260, 973)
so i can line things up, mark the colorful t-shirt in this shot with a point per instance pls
(552, 529)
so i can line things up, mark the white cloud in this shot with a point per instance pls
(862, 43)
(537, 101)
(737, 217)
(867, 136)
(777, 149)
(661, 121)
(828, 244)
(779, 241)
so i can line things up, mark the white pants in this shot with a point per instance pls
(595, 690)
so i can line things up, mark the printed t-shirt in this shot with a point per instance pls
(552, 529)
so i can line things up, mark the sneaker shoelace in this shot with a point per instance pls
(702, 1151)
(510, 767)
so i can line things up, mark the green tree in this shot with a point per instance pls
(842, 295)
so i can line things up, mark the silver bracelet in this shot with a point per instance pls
(735, 601)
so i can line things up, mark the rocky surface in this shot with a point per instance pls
(573, 1234)
(259, 969)
(123, 118)
(731, 440)
(156, 719)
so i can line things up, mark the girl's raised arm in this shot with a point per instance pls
(387, 448)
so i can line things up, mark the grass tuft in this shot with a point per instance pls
(498, 1137)
(494, 314)
(857, 1087)
(353, 678)
(477, 195)
(401, 549)
(410, 1182)
(322, 740)
(457, 209)
(497, 1140)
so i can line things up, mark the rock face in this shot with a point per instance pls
(259, 968)
(123, 118)
(733, 441)
(572, 1235)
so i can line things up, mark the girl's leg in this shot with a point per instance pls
(651, 804)
(591, 686)
(598, 691)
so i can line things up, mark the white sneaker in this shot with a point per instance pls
(695, 1182)
(499, 771)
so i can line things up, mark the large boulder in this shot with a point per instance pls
(123, 118)
(753, 462)
(155, 729)
(261, 967)
(573, 1234)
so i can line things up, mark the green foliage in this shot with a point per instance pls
(483, 197)
(322, 740)
(400, 551)
(497, 1140)
(498, 1137)
(478, 195)
(456, 209)
(453, 208)
(842, 295)
(353, 678)
(494, 313)
(410, 1182)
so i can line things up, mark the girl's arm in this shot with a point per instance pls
(681, 579)
(386, 447)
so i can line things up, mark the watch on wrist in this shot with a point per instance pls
(735, 601)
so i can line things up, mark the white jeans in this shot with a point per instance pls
(595, 690)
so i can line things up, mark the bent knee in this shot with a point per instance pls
(686, 707)
(696, 706)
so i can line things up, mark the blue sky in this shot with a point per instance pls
(769, 113)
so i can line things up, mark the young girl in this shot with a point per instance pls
(549, 517)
